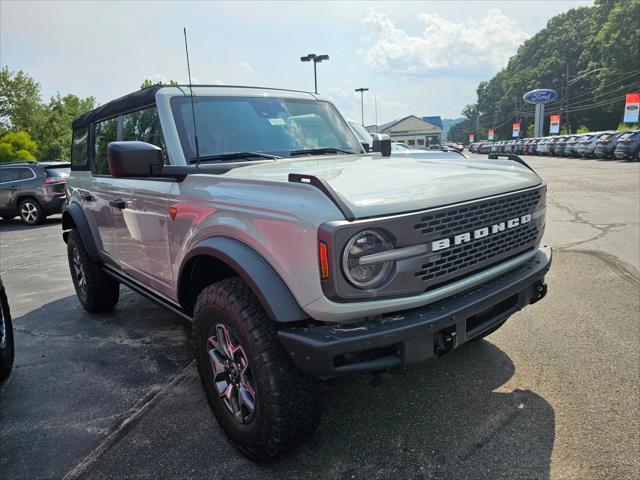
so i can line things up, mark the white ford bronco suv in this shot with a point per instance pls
(297, 254)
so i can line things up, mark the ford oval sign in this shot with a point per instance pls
(541, 95)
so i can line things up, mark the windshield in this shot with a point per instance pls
(275, 126)
(362, 133)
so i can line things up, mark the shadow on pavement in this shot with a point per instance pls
(443, 420)
(15, 224)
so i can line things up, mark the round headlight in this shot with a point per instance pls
(366, 274)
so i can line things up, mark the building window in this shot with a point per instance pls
(411, 142)
(421, 141)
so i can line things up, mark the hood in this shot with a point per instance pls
(372, 185)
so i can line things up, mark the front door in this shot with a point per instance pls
(141, 231)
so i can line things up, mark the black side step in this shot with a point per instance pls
(146, 293)
(325, 188)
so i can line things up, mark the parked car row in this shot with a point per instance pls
(32, 190)
(620, 145)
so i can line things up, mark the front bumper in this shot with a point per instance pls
(417, 335)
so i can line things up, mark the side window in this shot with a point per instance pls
(79, 148)
(23, 174)
(105, 132)
(6, 175)
(144, 126)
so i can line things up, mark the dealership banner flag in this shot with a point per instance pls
(632, 108)
(490, 134)
(471, 137)
(516, 129)
(554, 126)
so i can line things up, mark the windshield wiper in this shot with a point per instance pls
(319, 151)
(236, 155)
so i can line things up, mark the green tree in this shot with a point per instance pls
(17, 146)
(149, 83)
(19, 101)
(53, 125)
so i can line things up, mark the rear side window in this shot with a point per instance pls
(144, 126)
(105, 132)
(15, 174)
(79, 148)
(24, 174)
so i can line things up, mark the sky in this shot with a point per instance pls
(421, 58)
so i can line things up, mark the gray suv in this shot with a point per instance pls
(32, 190)
(257, 215)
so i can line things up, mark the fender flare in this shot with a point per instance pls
(79, 222)
(256, 272)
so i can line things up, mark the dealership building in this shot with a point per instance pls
(417, 132)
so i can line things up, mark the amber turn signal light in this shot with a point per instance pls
(324, 260)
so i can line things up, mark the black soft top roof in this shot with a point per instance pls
(132, 101)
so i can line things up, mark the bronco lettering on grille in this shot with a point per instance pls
(465, 237)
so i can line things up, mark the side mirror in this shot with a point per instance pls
(382, 144)
(134, 159)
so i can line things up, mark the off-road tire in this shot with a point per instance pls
(287, 406)
(100, 292)
(6, 345)
(31, 212)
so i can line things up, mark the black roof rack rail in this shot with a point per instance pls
(325, 188)
(21, 162)
(512, 157)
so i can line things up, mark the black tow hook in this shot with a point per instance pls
(445, 340)
(539, 292)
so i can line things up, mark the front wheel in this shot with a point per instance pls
(6, 335)
(260, 399)
(97, 291)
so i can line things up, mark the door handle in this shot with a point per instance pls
(87, 196)
(118, 203)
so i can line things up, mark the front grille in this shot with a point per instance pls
(468, 257)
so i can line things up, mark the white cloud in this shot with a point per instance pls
(442, 45)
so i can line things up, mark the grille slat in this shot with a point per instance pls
(467, 257)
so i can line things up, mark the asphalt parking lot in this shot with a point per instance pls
(553, 394)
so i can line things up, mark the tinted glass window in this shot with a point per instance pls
(24, 174)
(79, 147)
(143, 126)
(270, 125)
(14, 174)
(106, 131)
(7, 174)
(61, 172)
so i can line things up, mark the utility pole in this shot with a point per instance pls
(312, 57)
(362, 90)
(375, 99)
(566, 100)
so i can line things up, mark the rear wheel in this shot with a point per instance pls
(97, 291)
(31, 212)
(260, 399)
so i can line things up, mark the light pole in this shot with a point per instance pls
(312, 57)
(362, 90)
